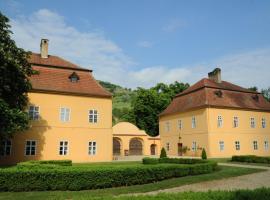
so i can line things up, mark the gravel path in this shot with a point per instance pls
(250, 181)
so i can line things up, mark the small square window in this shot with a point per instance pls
(92, 148)
(63, 148)
(252, 122)
(221, 145)
(237, 145)
(255, 145)
(219, 121)
(33, 112)
(5, 149)
(65, 114)
(93, 116)
(30, 148)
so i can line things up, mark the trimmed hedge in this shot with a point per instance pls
(49, 164)
(173, 160)
(74, 178)
(251, 159)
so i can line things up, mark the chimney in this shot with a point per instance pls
(215, 75)
(44, 45)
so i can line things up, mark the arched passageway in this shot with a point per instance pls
(116, 146)
(135, 147)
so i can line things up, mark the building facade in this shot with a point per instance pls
(129, 140)
(219, 116)
(71, 115)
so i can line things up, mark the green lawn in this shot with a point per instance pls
(228, 160)
(223, 172)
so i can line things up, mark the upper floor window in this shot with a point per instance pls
(168, 146)
(252, 122)
(266, 145)
(167, 126)
(5, 149)
(33, 112)
(63, 148)
(235, 122)
(221, 145)
(194, 146)
(93, 116)
(255, 145)
(180, 124)
(65, 114)
(92, 148)
(74, 77)
(193, 122)
(237, 145)
(219, 121)
(30, 148)
(263, 122)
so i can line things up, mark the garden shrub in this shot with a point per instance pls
(150, 161)
(163, 153)
(44, 163)
(76, 178)
(251, 159)
(204, 156)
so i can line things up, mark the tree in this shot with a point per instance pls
(149, 103)
(14, 84)
(266, 93)
(204, 156)
(163, 153)
(254, 88)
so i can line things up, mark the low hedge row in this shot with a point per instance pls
(251, 159)
(173, 160)
(72, 178)
(44, 163)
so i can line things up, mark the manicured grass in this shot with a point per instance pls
(223, 172)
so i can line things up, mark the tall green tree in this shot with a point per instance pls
(266, 93)
(14, 84)
(149, 103)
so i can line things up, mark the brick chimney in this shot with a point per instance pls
(215, 75)
(44, 45)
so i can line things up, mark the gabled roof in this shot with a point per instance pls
(207, 93)
(53, 77)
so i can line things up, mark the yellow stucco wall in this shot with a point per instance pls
(126, 131)
(49, 130)
(207, 134)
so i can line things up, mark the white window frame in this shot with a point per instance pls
(180, 124)
(221, 145)
(5, 147)
(64, 148)
(219, 121)
(63, 110)
(92, 148)
(167, 146)
(255, 145)
(266, 145)
(93, 117)
(193, 122)
(167, 126)
(35, 114)
(30, 146)
(235, 121)
(263, 122)
(194, 146)
(237, 145)
(252, 122)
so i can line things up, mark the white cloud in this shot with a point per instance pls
(174, 24)
(93, 50)
(145, 44)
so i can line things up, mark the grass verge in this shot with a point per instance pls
(223, 172)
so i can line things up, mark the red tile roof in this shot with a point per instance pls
(207, 93)
(53, 77)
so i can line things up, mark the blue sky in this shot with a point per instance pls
(140, 43)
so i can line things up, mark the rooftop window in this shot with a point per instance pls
(74, 77)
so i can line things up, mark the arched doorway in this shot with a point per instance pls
(135, 147)
(116, 146)
(153, 149)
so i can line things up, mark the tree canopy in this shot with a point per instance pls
(14, 84)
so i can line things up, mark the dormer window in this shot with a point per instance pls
(74, 77)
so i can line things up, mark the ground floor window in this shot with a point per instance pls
(63, 149)
(5, 149)
(168, 146)
(237, 145)
(92, 148)
(266, 145)
(194, 146)
(221, 145)
(255, 145)
(30, 148)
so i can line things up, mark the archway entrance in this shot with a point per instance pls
(153, 149)
(135, 147)
(116, 146)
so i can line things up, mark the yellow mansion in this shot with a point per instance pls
(219, 116)
(71, 115)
